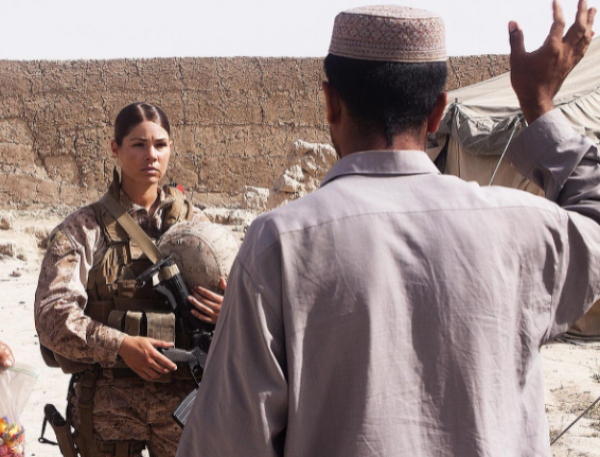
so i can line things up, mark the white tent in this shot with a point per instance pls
(482, 119)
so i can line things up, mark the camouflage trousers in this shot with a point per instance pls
(133, 409)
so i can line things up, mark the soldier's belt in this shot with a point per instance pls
(181, 374)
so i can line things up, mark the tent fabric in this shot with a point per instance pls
(480, 134)
(482, 116)
(481, 120)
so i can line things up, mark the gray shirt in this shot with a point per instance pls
(397, 311)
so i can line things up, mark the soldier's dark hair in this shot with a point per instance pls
(135, 114)
(387, 97)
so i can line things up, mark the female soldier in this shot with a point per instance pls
(91, 313)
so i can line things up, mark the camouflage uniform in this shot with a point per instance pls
(123, 409)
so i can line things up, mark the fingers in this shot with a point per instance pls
(208, 308)
(152, 372)
(580, 33)
(163, 365)
(141, 355)
(208, 294)
(160, 343)
(207, 303)
(156, 366)
(557, 29)
(206, 311)
(579, 36)
(588, 33)
(583, 13)
(537, 76)
(590, 19)
(6, 356)
(204, 317)
(159, 358)
(517, 40)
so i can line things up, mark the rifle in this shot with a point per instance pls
(196, 359)
(165, 277)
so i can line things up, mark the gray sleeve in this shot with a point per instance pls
(241, 407)
(576, 256)
(566, 165)
(562, 162)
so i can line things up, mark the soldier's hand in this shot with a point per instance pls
(537, 76)
(141, 355)
(6, 356)
(207, 303)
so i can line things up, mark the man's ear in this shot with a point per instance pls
(435, 117)
(332, 102)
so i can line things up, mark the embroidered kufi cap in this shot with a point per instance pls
(389, 33)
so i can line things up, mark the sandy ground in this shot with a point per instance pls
(572, 371)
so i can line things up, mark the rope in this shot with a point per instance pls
(575, 421)
(504, 152)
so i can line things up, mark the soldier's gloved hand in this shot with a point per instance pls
(207, 303)
(140, 354)
(6, 356)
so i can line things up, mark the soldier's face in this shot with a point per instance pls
(144, 154)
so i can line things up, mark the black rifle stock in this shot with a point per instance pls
(166, 279)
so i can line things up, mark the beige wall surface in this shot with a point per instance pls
(234, 122)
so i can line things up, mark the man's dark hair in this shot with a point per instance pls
(388, 97)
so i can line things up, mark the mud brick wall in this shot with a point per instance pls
(233, 121)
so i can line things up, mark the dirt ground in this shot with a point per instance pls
(572, 371)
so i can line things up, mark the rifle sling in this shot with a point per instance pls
(132, 229)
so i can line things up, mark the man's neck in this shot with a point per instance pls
(402, 141)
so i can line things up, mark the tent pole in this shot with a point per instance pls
(503, 153)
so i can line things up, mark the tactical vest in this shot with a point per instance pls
(115, 298)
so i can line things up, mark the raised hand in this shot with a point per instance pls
(537, 76)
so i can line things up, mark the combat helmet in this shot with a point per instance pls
(203, 251)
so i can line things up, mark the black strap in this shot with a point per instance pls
(42, 439)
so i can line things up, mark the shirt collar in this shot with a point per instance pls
(386, 163)
(163, 200)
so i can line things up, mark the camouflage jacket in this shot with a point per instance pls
(75, 247)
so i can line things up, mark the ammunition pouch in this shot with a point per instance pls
(160, 326)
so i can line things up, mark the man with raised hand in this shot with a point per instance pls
(396, 311)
